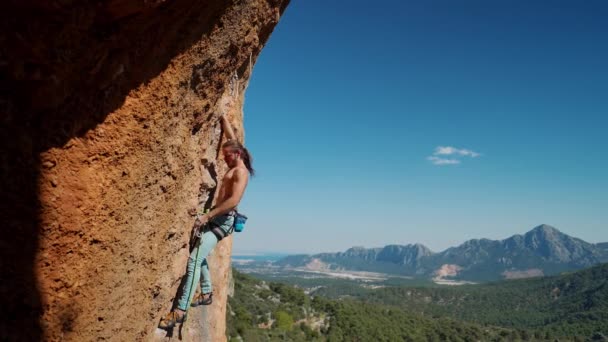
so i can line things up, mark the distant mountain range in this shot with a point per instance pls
(542, 251)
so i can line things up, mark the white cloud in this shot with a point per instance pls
(440, 151)
(442, 161)
(449, 150)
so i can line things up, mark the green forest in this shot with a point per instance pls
(569, 307)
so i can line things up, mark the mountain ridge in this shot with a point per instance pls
(541, 251)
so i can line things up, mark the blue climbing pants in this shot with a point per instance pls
(198, 264)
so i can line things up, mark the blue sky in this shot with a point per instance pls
(351, 107)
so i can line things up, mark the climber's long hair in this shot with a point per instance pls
(243, 152)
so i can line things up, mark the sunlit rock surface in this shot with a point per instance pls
(109, 135)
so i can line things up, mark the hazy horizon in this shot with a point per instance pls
(242, 252)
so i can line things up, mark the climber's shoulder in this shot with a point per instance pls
(237, 173)
(240, 173)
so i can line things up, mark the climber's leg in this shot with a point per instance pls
(206, 286)
(205, 297)
(193, 273)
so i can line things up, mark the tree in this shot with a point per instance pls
(283, 320)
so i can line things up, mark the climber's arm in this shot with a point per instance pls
(227, 127)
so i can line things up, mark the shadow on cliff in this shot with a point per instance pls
(63, 69)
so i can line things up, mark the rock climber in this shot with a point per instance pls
(214, 225)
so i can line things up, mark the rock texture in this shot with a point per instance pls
(109, 136)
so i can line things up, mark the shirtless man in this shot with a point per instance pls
(215, 225)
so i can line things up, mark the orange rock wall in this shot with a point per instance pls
(109, 136)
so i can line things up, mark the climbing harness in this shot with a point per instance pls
(217, 230)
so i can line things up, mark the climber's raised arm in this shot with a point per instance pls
(227, 127)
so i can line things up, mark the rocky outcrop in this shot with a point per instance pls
(410, 255)
(542, 247)
(109, 136)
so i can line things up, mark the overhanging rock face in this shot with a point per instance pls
(109, 134)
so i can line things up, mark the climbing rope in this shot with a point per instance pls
(250, 66)
(234, 80)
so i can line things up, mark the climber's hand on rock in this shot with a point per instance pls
(192, 211)
(201, 220)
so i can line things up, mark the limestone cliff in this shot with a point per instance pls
(109, 132)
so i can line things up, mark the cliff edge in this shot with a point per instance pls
(109, 136)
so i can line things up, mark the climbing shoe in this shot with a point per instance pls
(170, 320)
(200, 299)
